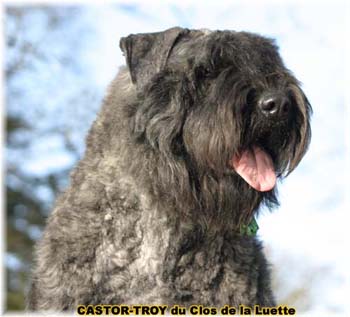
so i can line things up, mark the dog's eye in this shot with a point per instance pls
(203, 72)
(206, 71)
(251, 97)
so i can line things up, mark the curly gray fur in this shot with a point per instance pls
(152, 212)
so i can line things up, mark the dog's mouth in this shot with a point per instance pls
(256, 167)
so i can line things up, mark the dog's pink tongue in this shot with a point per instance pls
(256, 168)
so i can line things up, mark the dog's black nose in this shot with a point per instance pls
(274, 105)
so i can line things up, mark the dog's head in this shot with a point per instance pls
(220, 103)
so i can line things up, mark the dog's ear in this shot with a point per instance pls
(146, 54)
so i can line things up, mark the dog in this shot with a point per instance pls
(193, 135)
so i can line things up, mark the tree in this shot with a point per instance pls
(46, 123)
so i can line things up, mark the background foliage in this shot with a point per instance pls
(50, 104)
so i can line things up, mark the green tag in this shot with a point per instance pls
(249, 230)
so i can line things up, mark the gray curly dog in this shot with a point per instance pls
(191, 139)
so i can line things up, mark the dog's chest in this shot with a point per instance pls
(149, 258)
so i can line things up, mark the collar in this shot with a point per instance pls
(249, 230)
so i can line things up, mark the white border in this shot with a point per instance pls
(214, 2)
(5, 3)
(2, 164)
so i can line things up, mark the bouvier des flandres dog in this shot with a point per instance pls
(189, 144)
